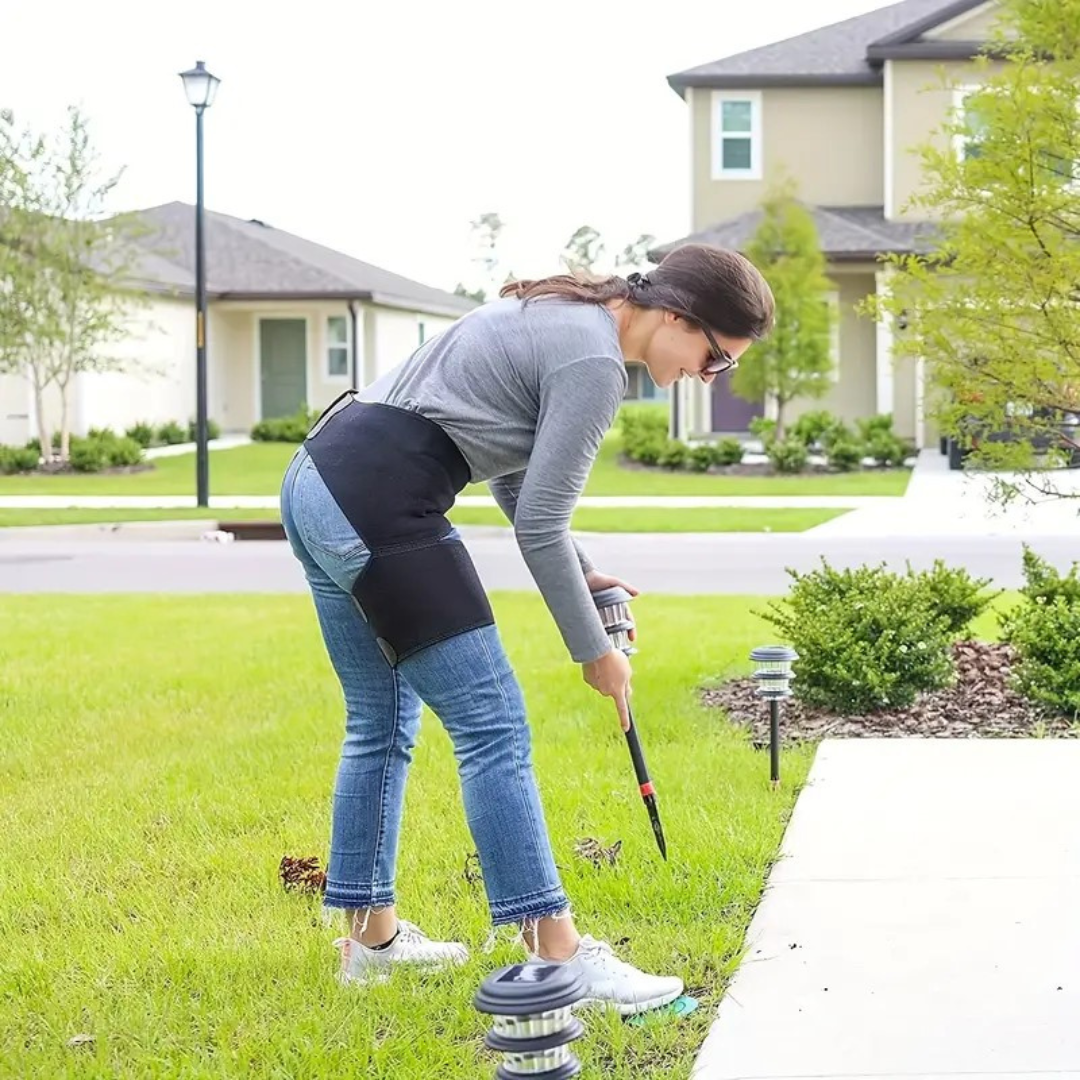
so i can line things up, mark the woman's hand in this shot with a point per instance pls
(610, 676)
(597, 581)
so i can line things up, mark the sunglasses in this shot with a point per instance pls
(721, 360)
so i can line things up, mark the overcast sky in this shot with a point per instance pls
(383, 129)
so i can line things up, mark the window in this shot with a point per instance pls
(969, 142)
(1054, 164)
(337, 347)
(736, 136)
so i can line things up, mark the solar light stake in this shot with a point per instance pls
(613, 604)
(773, 675)
(533, 1024)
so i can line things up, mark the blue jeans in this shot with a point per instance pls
(467, 682)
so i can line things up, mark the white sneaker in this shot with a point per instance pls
(359, 964)
(614, 983)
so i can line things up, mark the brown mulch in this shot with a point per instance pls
(57, 469)
(748, 468)
(980, 704)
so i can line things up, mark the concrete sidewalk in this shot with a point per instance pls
(922, 921)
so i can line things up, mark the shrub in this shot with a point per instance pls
(954, 594)
(886, 449)
(810, 428)
(142, 433)
(728, 451)
(1046, 636)
(867, 639)
(213, 429)
(1045, 631)
(171, 433)
(640, 428)
(838, 432)
(700, 458)
(871, 427)
(673, 454)
(763, 429)
(16, 459)
(844, 455)
(788, 456)
(290, 429)
(121, 450)
(89, 455)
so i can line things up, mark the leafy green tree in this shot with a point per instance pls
(994, 309)
(795, 360)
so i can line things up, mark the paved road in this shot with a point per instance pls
(680, 563)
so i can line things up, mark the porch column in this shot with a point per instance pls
(885, 375)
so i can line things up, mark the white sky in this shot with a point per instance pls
(383, 129)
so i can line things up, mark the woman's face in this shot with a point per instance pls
(678, 348)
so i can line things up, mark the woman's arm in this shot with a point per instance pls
(507, 489)
(578, 404)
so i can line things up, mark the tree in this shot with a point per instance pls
(994, 309)
(486, 231)
(795, 360)
(66, 272)
(635, 255)
(583, 251)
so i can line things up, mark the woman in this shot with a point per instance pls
(518, 393)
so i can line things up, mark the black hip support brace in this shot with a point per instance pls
(395, 474)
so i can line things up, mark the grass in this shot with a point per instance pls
(587, 518)
(257, 470)
(151, 788)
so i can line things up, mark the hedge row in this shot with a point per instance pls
(645, 439)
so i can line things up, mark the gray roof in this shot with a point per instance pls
(846, 233)
(843, 53)
(253, 260)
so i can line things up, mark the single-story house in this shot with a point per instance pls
(289, 322)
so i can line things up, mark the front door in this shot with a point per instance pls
(282, 366)
(732, 414)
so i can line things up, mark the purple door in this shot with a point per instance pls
(732, 414)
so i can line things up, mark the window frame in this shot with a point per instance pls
(755, 135)
(332, 346)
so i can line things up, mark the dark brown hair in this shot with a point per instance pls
(714, 285)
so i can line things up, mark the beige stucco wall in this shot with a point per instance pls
(158, 380)
(829, 139)
(923, 99)
(976, 26)
(853, 394)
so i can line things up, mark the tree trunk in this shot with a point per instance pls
(44, 434)
(780, 403)
(65, 427)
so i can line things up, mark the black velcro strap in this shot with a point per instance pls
(422, 595)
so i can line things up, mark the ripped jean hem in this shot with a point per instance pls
(537, 906)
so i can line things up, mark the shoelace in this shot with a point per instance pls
(408, 931)
(606, 955)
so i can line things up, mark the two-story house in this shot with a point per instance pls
(841, 110)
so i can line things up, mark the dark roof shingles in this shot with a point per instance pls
(248, 258)
(843, 232)
(837, 51)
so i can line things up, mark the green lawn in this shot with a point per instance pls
(587, 518)
(257, 470)
(151, 787)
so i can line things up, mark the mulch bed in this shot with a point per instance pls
(980, 704)
(67, 470)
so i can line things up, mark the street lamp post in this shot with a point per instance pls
(200, 87)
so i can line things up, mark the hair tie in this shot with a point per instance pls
(636, 280)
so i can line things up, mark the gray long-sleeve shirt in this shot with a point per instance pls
(527, 393)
